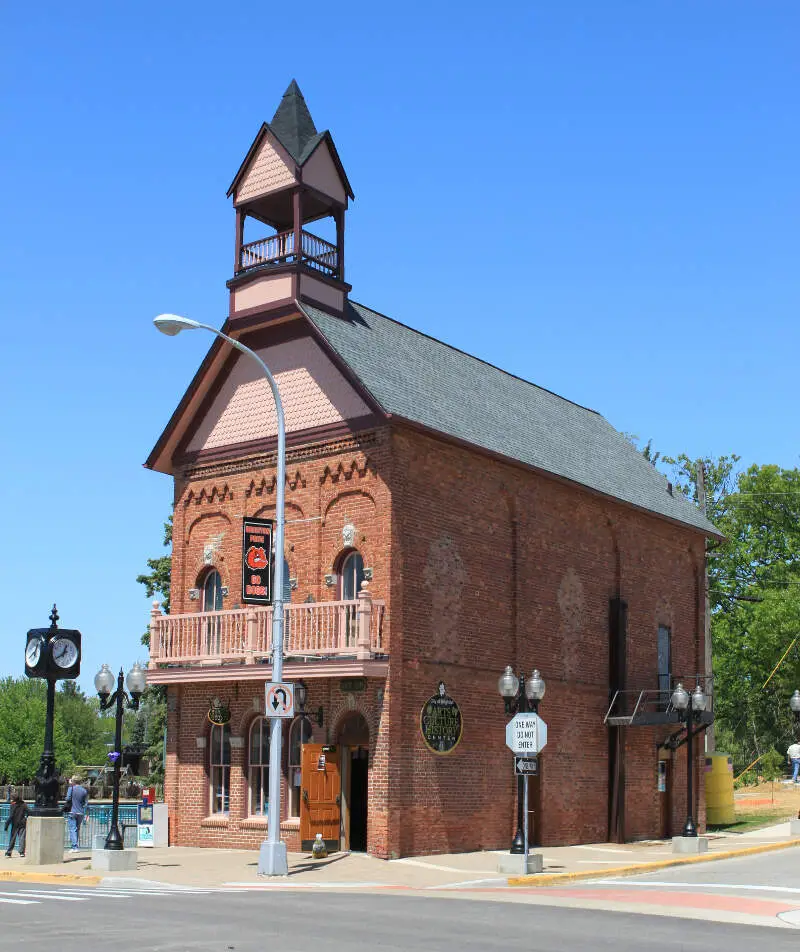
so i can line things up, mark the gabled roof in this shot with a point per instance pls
(422, 380)
(294, 129)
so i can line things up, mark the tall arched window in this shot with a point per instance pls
(352, 576)
(259, 766)
(212, 592)
(299, 734)
(220, 767)
(212, 602)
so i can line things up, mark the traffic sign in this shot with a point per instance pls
(526, 734)
(280, 699)
(526, 766)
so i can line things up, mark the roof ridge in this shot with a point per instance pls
(480, 360)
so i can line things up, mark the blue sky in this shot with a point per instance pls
(598, 197)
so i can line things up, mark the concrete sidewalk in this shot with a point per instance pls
(193, 867)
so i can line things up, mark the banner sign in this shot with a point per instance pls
(257, 561)
(440, 722)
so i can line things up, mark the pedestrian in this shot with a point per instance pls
(793, 756)
(17, 820)
(75, 809)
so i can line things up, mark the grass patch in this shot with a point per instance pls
(752, 821)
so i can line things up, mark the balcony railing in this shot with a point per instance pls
(279, 249)
(311, 629)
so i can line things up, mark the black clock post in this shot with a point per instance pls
(52, 654)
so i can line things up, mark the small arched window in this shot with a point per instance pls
(220, 767)
(259, 766)
(352, 576)
(212, 592)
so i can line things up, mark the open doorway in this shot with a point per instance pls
(353, 738)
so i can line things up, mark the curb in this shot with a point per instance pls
(18, 876)
(549, 879)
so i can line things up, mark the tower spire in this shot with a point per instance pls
(292, 122)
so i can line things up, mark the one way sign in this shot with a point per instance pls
(280, 699)
(526, 766)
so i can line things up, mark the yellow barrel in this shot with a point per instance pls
(719, 790)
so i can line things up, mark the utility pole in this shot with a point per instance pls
(709, 664)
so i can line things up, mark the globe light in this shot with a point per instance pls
(680, 698)
(104, 681)
(535, 687)
(794, 702)
(508, 683)
(699, 699)
(136, 681)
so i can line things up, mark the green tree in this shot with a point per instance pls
(154, 700)
(85, 730)
(23, 704)
(157, 580)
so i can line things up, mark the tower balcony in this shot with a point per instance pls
(330, 637)
(279, 249)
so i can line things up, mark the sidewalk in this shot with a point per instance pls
(193, 867)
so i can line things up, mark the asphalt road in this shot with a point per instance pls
(43, 918)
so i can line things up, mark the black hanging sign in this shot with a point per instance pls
(257, 561)
(440, 722)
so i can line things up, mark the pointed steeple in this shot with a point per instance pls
(292, 122)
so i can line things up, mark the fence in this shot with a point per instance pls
(98, 820)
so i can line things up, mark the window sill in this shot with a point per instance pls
(218, 820)
(254, 823)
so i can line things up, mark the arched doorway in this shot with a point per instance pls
(353, 738)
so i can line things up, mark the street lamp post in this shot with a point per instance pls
(104, 683)
(521, 697)
(689, 707)
(794, 704)
(272, 860)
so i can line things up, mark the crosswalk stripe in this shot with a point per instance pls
(19, 902)
(30, 894)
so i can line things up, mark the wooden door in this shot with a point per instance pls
(665, 797)
(321, 795)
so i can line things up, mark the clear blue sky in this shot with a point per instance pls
(599, 197)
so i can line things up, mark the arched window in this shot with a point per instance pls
(259, 766)
(212, 602)
(352, 576)
(299, 734)
(212, 592)
(220, 768)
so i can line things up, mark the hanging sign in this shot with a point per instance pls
(257, 561)
(440, 722)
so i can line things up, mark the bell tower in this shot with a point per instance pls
(291, 176)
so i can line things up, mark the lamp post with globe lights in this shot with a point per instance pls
(520, 697)
(104, 684)
(689, 705)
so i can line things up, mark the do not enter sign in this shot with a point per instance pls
(526, 734)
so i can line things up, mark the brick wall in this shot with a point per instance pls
(481, 565)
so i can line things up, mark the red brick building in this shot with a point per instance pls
(443, 519)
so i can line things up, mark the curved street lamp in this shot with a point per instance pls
(689, 708)
(272, 860)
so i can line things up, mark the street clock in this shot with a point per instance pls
(53, 653)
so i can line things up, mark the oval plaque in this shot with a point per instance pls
(440, 722)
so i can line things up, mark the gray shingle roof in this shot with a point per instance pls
(292, 122)
(417, 377)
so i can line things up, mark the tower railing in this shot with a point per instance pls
(278, 249)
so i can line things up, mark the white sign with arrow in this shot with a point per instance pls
(279, 699)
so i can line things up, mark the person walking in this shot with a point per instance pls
(17, 820)
(793, 756)
(75, 809)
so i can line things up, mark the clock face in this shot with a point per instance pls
(33, 652)
(65, 652)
